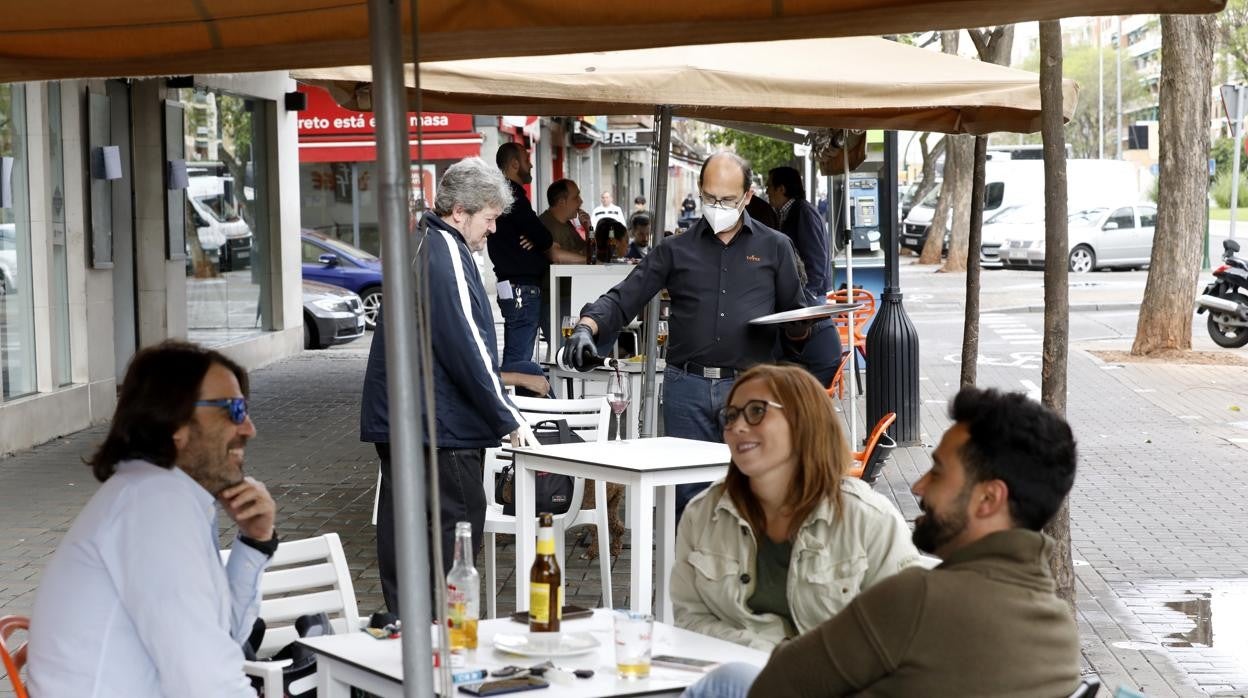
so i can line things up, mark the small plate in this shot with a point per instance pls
(545, 644)
(814, 312)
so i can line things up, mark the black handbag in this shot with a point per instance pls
(553, 493)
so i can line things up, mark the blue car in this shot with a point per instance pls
(334, 262)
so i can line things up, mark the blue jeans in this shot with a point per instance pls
(520, 327)
(732, 680)
(691, 406)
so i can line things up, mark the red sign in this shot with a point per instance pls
(324, 117)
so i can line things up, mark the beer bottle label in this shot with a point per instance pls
(539, 603)
(546, 542)
(559, 607)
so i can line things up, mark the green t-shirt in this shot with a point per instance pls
(771, 574)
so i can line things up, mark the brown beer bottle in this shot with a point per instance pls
(545, 581)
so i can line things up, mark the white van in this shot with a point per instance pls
(217, 224)
(1021, 182)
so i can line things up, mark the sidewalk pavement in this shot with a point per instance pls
(1157, 514)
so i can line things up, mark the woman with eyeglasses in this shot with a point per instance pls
(786, 540)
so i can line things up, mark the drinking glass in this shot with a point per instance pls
(634, 634)
(618, 397)
(568, 325)
(662, 335)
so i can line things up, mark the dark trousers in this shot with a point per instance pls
(461, 497)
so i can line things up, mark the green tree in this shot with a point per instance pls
(1080, 64)
(1232, 27)
(763, 153)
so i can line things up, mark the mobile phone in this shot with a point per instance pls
(569, 613)
(687, 663)
(498, 687)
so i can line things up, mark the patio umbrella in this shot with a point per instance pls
(55, 39)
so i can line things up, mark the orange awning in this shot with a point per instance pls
(57, 39)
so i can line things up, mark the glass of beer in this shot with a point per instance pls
(633, 640)
(662, 332)
(568, 325)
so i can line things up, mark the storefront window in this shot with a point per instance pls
(227, 231)
(60, 260)
(17, 335)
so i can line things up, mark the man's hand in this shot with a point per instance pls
(250, 506)
(536, 384)
(579, 348)
(584, 219)
(799, 330)
(523, 436)
(525, 243)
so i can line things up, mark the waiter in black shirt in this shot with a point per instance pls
(522, 250)
(727, 270)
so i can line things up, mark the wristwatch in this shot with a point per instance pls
(268, 547)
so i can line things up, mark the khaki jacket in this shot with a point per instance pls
(832, 561)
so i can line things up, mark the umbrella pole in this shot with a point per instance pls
(649, 389)
(406, 431)
(849, 296)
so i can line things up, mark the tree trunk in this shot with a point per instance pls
(1165, 320)
(960, 204)
(1056, 291)
(927, 176)
(970, 323)
(956, 174)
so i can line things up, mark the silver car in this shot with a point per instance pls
(1099, 238)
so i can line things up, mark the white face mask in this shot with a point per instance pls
(720, 218)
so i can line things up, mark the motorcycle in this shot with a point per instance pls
(1226, 299)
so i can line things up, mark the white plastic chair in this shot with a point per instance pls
(588, 418)
(304, 576)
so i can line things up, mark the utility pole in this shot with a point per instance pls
(1118, 50)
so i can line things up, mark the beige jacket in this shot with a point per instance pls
(832, 561)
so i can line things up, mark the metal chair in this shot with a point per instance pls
(869, 462)
(589, 419)
(14, 659)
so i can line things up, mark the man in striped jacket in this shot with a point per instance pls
(472, 409)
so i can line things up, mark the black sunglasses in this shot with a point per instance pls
(236, 406)
(754, 411)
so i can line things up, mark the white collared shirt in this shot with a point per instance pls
(136, 602)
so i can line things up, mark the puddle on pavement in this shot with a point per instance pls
(1201, 624)
(1219, 621)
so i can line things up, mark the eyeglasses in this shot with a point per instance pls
(754, 411)
(236, 406)
(726, 202)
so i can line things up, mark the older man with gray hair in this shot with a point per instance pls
(473, 410)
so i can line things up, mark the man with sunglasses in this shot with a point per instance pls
(727, 270)
(136, 600)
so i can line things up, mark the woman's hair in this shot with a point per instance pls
(473, 184)
(819, 446)
(157, 397)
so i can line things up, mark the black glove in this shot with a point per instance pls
(579, 348)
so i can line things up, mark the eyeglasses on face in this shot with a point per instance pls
(236, 406)
(753, 411)
(726, 202)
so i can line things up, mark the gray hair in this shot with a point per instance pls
(473, 184)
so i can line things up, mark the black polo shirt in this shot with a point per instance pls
(511, 261)
(716, 289)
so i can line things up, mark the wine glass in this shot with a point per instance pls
(662, 335)
(568, 325)
(618, 397)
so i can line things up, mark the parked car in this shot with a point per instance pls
(8, 258)
(331, 261)
(222, 233)
(1020, 221)
(331, 315)
(1100, 237)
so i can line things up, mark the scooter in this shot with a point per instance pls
(1226, 299)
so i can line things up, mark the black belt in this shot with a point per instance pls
(708, 371)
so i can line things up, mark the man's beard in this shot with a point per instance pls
(526, 177)
(209, 463)
(933, 531)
